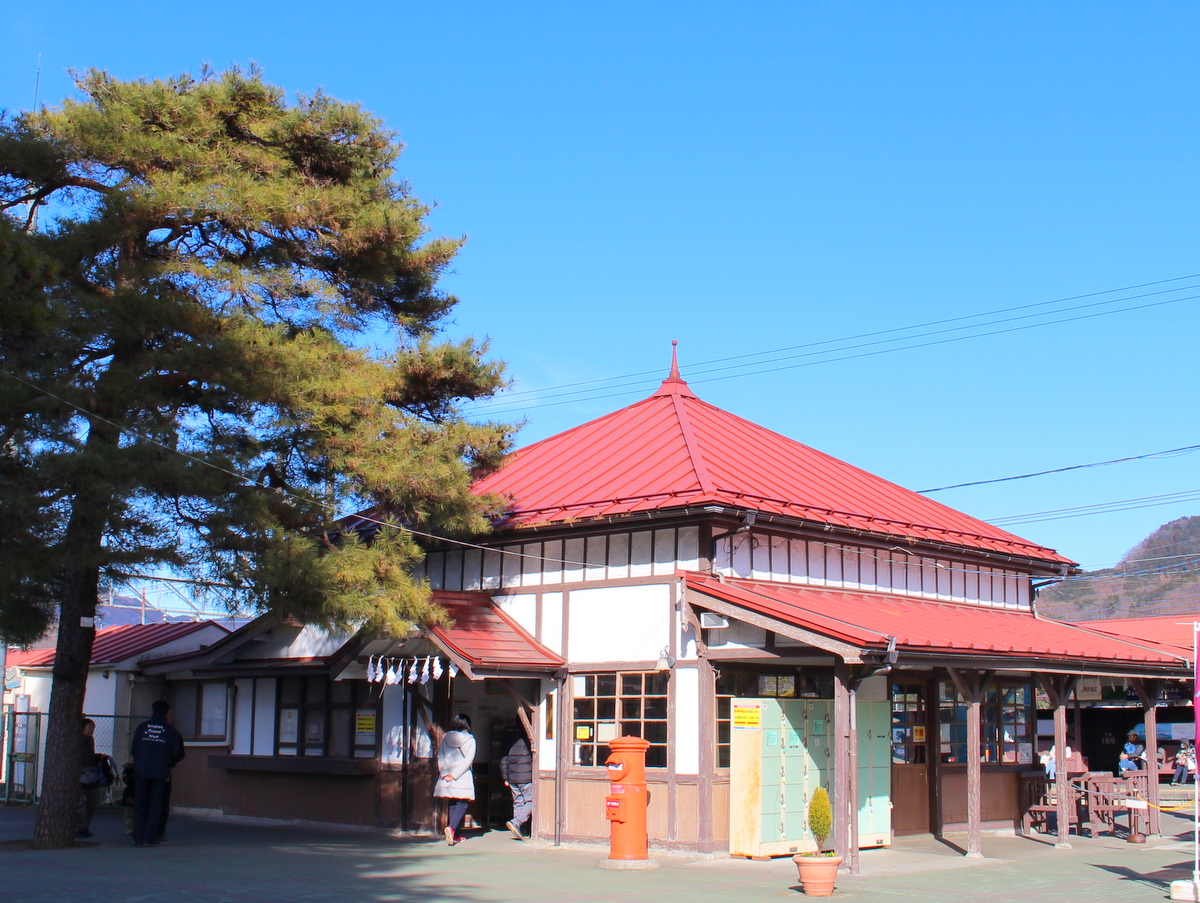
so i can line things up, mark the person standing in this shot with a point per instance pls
(157, 747)
(91, 778)
(456, 781)
(516, 767)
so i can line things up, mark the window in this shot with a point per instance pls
(1006, 717)
(752, 684)
(607, 706)
(319, 717)
(199, 709)
(909, 722)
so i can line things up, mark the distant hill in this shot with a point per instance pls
(1158, 576)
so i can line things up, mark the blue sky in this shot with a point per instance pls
(758, 176)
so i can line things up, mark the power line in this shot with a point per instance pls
(1146, 501)
(503, 407)
(1041, 473)
(695, 368)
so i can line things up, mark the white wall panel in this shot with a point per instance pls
(510, 567)
(472, 570)
(264, 716)
(741, 554)
(689, 548)
(664, 552)
(640, 552)
(393, 726)
(522, 609)
(687, 721)
(532, 564)
(618, 556)
(596, 551)
(243, 717)
(573, 553)
(491, 569)
(625, 623)
(553, 554)
(454, 569)
(552, 622)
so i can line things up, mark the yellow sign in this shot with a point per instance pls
(583, 732)
(747, 717)
(918, 733)
(364, 723)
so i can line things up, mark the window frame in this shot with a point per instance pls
(596, 749)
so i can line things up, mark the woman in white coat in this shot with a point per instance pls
(456, 781)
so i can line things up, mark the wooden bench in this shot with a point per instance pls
(1039, 800)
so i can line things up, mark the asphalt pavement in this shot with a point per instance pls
(239, 861)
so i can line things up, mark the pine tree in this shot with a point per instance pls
(219, 322)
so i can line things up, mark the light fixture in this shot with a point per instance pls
(666, 661)
(104, 674)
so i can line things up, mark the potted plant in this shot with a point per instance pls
(818, 870)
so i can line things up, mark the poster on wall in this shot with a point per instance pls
(747, 717)
(1024, 753)
(289, 725)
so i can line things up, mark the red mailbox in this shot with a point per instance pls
(625, 806)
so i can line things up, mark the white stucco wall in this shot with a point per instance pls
(620, 623)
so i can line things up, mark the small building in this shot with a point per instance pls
(767, 617)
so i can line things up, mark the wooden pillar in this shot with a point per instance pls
(708, 757)
(1059, 688)
(843, 777)
(853, 788)
(971, 686)
(1147, 691)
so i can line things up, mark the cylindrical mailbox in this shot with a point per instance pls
(625, 806)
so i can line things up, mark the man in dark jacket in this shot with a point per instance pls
(516, 767)
(157, 747)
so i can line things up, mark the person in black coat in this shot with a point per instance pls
(157, 748)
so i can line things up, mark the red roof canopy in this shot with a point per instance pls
(869, 620)
(673, 450)
(487, 638)
(115, 644)
(1172, 629)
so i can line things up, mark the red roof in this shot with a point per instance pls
(1175, 630)
(673, 450)
(484, 635)
(115, 644)
(868, 620)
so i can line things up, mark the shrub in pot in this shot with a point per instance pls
(818, 870)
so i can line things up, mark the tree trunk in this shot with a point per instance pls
(58, 816)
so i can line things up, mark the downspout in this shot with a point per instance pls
(560, 760)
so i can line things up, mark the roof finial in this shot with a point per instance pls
(674, 374)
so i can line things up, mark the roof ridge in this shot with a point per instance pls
(695, 455)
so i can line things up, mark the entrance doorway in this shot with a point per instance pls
(911, 760)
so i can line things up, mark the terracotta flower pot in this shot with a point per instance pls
(817, 873)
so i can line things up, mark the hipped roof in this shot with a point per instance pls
(673, 450)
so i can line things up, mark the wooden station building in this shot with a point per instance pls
(769, 618)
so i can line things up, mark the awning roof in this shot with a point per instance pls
(924, 628)
(484, 638)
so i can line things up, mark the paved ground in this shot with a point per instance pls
(234, 862)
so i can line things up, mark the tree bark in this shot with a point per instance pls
(58, 815)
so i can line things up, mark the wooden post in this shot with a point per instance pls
(1059, 688)
(853, 783)
(843, 777)
(1147, 691)
(971, 686)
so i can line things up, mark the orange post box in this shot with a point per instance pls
(625, 806)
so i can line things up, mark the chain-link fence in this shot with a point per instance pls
(23, 752)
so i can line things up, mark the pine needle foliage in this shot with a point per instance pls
(219, 334)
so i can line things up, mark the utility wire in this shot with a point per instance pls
(864, 335)
(1041, 473)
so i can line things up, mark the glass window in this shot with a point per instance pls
(1006, 719)
(731, 683)
(318, 717)
(606, 706)
(213, 701)
(909, 722)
